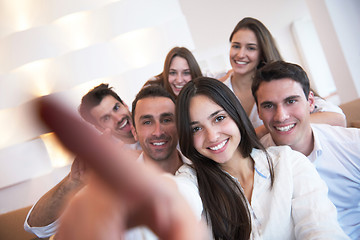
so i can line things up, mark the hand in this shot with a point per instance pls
(135, 194)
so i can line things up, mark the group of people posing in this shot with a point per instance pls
(253, 155)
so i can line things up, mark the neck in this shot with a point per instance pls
(170, 164)
(306, 144)
(243, 170)
(128, 140)
(242, 82)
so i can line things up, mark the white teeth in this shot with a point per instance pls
(124, 124)
(179, 87)
(219, 146)
(285, 129)
(239, 62)
(158, 143)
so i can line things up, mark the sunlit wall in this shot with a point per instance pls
(66, 48)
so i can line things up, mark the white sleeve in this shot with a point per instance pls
(314, 215)
(322, 105)
(187, 185)
(41, 232)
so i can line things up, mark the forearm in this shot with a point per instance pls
(50, 205)
(331, 118)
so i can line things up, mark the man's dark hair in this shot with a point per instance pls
(150, 91)
(279, 70)
(93, 98)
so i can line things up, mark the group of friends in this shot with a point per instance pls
(252, 155)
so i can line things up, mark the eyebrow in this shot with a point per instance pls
(147, 116)
(285, 99)
(209, 117)
(167, 114)
(255, 44)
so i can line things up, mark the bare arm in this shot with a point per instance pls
(331, 118)
(50, 205)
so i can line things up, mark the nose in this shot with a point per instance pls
(116, 117)
(281, 114)
(241, 52)
(158, 131)
(178, 78)
(212, 134)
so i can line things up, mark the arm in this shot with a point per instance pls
(314, 215)
(50, 205)
(140, 195)
(327, 113)
(331, 118)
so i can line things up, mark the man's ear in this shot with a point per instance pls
(311, 101)
(133, 131)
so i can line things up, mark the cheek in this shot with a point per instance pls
(187, 78)
(197, 142)
(171, 79)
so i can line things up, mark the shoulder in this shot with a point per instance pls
(282, 157)
(267, 140)
(336, 133)
(186, 172)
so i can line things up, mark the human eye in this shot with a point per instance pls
(167, 120)
(196, 129)
(172, 73)
(291, 101)
(235, 46)
(252, 48)
(146, 122)
(187, 73)
(220, 118)
(267, 106)
(116, 107)
(105, 118)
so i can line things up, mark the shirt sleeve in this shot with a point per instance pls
(314, 215)
(187, 185)
(322, 105)
(41, 232)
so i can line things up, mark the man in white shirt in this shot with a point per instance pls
(282, 94)
(153, 113)
(155, 129)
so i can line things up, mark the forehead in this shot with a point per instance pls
(154, 106)
(106, 105)
(201, 107)
(279, 89)
(244, 35)
(179, 62)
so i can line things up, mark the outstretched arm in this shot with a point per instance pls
(140, 194)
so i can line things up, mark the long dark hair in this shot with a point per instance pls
(163, 78)
(224, 203)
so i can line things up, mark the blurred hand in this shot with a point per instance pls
(125, 193)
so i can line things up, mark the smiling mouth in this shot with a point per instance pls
(241, 62)
(219, 146)
(286, 128)
(124, 122)
(178, 86)
(158, 143)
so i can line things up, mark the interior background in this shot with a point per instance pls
(67, 47)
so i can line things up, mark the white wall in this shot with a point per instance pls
(337, 24)
(211, 23)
